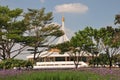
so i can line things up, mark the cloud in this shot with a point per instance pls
(71, 8)
(42, 1)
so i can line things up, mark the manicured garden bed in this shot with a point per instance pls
(80, 74)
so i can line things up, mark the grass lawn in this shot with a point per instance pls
(56, 75)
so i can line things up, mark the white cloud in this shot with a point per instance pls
(42, 1)
(71, 8)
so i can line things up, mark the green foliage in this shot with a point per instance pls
(83, 39)
(11, 63)
(15, 12)
(116, 58)
(102, 60)
(38, 17)
(108, 35)
(41, 24)
(4, 17)
(63, 47)
(12, 28)
(117, 19)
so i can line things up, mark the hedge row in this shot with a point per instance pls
(11, 63)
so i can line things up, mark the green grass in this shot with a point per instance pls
(57, 75)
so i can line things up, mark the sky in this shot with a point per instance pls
(78, 13)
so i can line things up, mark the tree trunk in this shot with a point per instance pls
(35, 52)
(8, 54)
(34, 55)
(76, 66)
(76, 61)
(110, 64)
(109, 58)
(93, 60)
(4, 56)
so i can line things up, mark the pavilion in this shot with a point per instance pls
(53, 59)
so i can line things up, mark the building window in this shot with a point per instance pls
(60, 59)
(84, 59)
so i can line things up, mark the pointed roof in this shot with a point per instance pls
(63, 38)
(63, 19)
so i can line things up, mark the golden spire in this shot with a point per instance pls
(63, 19)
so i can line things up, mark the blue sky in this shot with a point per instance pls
(78, 13)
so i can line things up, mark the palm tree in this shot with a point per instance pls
(117, 19)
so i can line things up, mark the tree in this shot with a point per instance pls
(106, 38)
(94, 47)
(41, 30)
(77, 46)
(81, 43)
(103, 60)
(11, 30)
(117, 19)
(110, 44)
(116, 59)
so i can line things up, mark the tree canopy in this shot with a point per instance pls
(40, 29)
(11, 30)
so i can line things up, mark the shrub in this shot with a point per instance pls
(11, 63)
